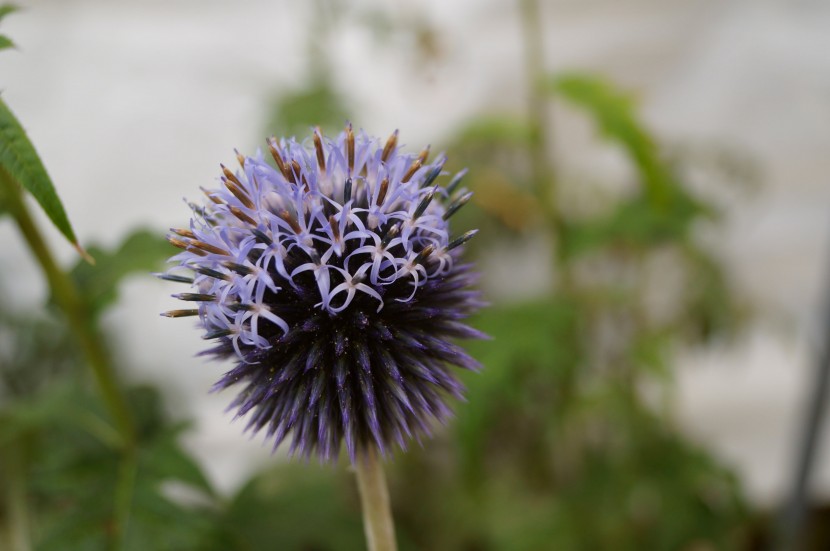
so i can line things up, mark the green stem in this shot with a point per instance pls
(124, 489)
(374, 500)
(68, 299)
(16, 503)
(541, 150)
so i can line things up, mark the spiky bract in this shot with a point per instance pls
(333, 280)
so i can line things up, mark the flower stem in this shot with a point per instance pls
(16, 497)
(68, 299)
(374, 500)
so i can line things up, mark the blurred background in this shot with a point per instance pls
(650, 184)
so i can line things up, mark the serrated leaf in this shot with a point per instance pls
(6, 42)
(20, 161)
(141, 252)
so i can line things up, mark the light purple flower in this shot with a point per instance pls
(332, 279)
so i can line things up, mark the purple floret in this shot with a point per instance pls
(333, 281)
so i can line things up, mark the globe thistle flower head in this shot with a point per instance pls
(333, 280)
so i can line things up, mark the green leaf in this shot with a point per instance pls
(21, 162)
(534, 349)
(73, 477)
(141, 252)
(293, 507)
(6, 9)
(637, 223)
(615, 115)
(6, 42)
(164, 459)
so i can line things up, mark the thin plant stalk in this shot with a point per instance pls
(374, 501)
(542, 166)
(17, 509)
(68, 298)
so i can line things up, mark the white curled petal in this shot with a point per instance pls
(273, 318)
(371, 292)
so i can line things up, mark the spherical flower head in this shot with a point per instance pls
(333, 281)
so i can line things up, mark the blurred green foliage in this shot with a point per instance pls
(556, 447)
(141, 251)
(319, 104)
(5, 41)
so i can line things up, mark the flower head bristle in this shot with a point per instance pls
(333, 281)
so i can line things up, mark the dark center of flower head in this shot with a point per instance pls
(333, 280)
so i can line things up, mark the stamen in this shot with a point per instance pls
(350, 147)
(422, 206)
(183, 232)
(384, 187)
(347, 191)
(262, 236)
(318, 146)
(195, 297)
(432, 175)
(272, 147)
(391, 234)
(424, 254)
(390, 146)
(175, 278)
(180, 313)
(458, 241)
(423, 155)
(457, 204)
(219, 333)
(230, 175)
(239, 213)
(209, 248)
(295, 171)
(239, 194)
(177, 242)
(335, 229)
(210, 273)
(238, 268)
(285, 215)
(212, 197)
(455, 181)
(412, 170)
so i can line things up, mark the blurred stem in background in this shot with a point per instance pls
(543, 170)
(16, 503)
(80, 322)
(68, 299)
(792, 521)
(544, 178)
